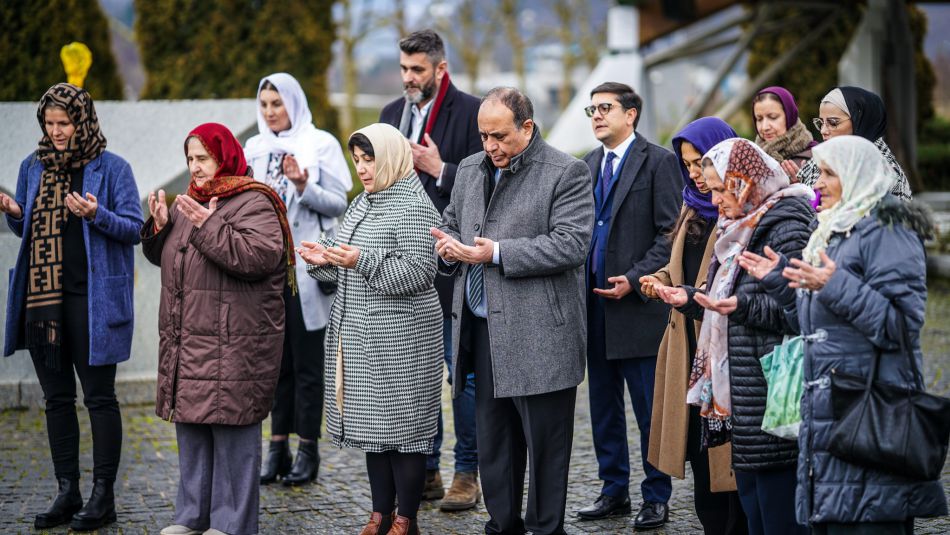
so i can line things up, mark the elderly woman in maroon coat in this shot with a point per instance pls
(225, 252)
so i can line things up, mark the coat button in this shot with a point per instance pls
(296, 224)
(600, 223)
(455, 316)
(477, 226)
(183, 248)
(92, 269)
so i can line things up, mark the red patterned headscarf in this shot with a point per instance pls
(232, 178)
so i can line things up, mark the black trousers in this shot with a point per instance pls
(720, 513)
(298, 401)
(510, 433)
(98, 387)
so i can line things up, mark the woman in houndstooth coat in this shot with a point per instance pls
(384, 339)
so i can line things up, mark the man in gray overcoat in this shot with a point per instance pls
(515, 238)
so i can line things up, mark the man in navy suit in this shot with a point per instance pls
(638, 194)
(441, 123)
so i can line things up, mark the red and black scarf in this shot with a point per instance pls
(232, 178)
(44, 293)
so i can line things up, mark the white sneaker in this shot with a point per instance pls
(213, 531)
(178, 529)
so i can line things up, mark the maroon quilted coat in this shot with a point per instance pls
(221, 316)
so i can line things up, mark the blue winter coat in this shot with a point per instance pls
(109, 248)
(880, 274)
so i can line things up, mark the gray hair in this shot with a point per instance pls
(426, 41)
(513, 99)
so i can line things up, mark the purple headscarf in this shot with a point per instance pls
(703, 133)
(788, 103)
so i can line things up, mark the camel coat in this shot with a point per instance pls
(670, 413)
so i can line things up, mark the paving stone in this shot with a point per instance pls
(339, 502)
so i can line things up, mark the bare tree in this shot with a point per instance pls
(397, 18)
(508, 16)
(465, 32)
(355, 23)
(579, 42)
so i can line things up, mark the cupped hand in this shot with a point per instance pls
(723, 306)
(158, 209)
(646, 286)
(759, 266)
(671, 295)
(10, 206)
(312, 253)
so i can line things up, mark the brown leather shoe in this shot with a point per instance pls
(463, 494)
(377, 525)
(404, 526)
(433, 489)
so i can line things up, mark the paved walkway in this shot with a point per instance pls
(339, 502)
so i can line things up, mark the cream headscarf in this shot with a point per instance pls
(393, 154)
(865, 179)
(836, 98)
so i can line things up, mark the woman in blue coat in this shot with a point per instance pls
(862, 273)
(70, 296)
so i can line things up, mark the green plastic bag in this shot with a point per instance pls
(783, 373)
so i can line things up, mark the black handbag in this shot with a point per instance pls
(887, 427)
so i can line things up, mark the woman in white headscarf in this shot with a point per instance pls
(862, 278)
(385, 330)
(306, 167)
(741, 323)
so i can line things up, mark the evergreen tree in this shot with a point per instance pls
(33, 33)
(194, 49)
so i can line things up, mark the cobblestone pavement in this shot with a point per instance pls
(339, 502)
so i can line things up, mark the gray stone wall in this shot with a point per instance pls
(135, 377)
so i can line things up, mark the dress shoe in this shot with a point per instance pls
(64, 506)
(433, 489)
(606, 506)
(178, 529)
(378, 524)
(404, 526)
(463, 494)
(652, 516)
(277, 463)
(99, 510)
(306, 465)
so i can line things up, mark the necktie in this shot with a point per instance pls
(603, 185)
(606, 176)
(476, 287)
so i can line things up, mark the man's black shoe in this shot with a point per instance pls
(606, 506)
(652, 516)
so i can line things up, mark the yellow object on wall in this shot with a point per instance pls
(77, 58)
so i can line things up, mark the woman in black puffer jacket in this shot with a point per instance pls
(757, 207)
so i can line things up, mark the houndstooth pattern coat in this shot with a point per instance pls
(386, 316)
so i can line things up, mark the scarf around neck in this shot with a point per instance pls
(865, 179)
(44, 298)
(795, 140)
(231, 179)
(758, 182)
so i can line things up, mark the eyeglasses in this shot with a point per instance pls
(604, 108)
(833, 123)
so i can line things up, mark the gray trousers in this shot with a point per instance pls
(219, 485)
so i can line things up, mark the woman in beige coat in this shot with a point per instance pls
(675, 435)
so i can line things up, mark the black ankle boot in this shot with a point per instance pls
(277, 463)
(64, 506)
(306, 465)
(99, 510)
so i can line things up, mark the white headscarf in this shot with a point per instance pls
(865, 179)
(310, 146)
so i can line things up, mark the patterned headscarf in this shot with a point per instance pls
(231, 179)
(758, 182)
(393, 154)
(865, 179)
(44, 299)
